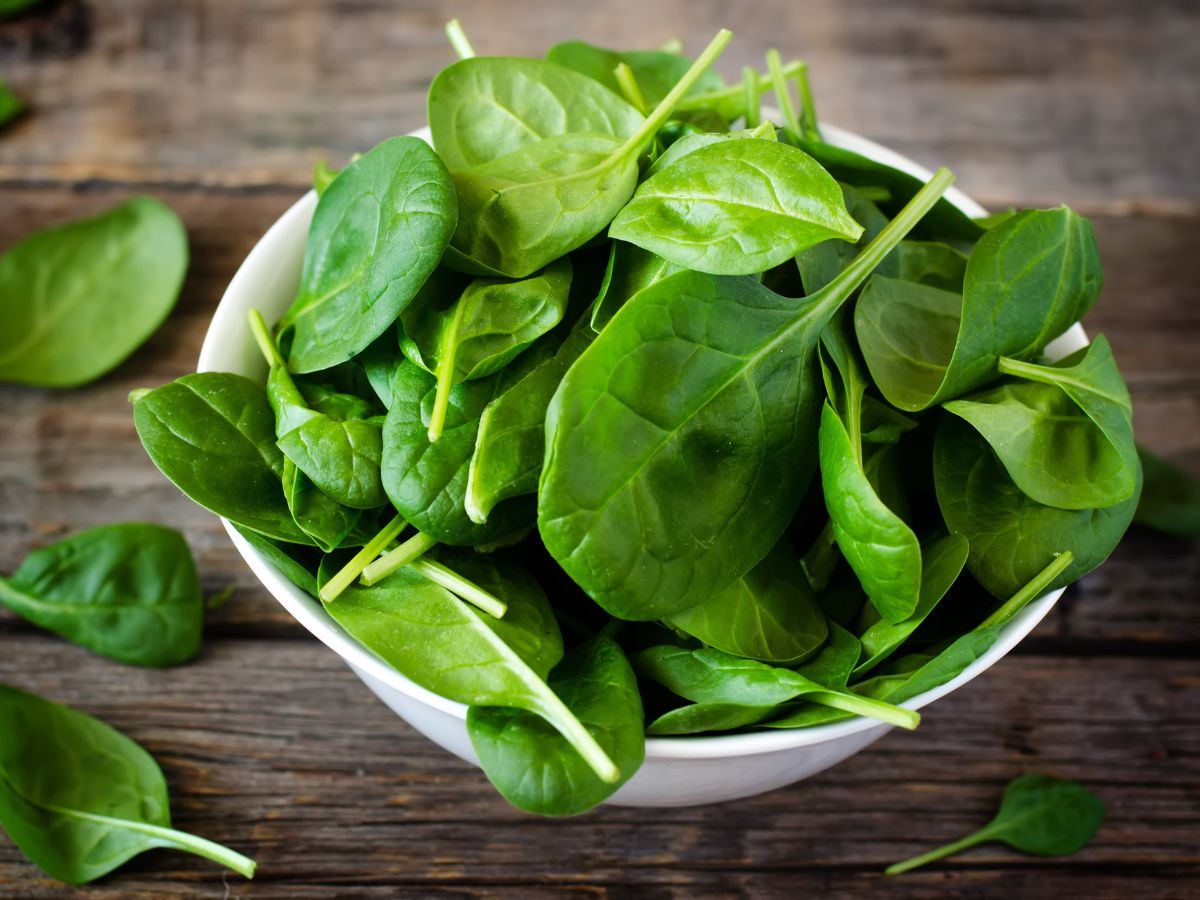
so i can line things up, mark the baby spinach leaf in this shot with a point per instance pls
(126, 591)
(213, 435)
(427, 481)
(323, 519)
(527, 200)
(769, 614)
(1039, 814)
(1012, 536)
(931, 263)
(1065, 432)
(446, 646)
(630, 270)
(1026, 281)
(1170, 500)
(819, 264)
(698, 718)
(655, 71)
(534, 766)
(617, 505)
(736, 207)
(482, 331)
(710, 676)
(942, 561)
(76, 300)
(378, 232)
(323, 176)
(692, 141)
(280, 555)
(79, 799)
(511, 441)
(379, 363)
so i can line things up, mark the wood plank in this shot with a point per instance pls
(237, 92)
(275, 748)
(72, 459)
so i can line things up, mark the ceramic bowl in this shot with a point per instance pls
(680, 771)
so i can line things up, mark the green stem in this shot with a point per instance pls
(764, 130)
(782, 93)
(458, 39)
(753, 97)
(1020, 369)
(667, 105)
(979, 837)
(826, 302)
(461, 587)
(629, 86)
(1037, 586)
(169, 837)
(673, 45)
(137, 394)
(346, 576)
(866, 706)
(560, 715)
(732, 93)
(262, 337)
(808, 109)
(447, 354)
(411, 549)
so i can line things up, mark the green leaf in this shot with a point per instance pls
(534, 766)
(323, 519)
(655, 71)
(213, 435)
(630, 270)
(1013, 537)
(736, 207)
(443, 644)
(1064, 432)
(79, 799)
(1026, 282)
(1039, 814)
(280, 555)
(769, 614)
(699, 718)
(617, 504)
(76, 300)
(126, 591)
(378, 232)
(1170, 498)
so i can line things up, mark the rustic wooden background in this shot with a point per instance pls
(221, 107)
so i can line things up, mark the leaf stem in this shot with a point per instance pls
(1021, 369)
(753, 95)
(866, 706)
(808, 109)
(461, 587)
(447, 355)
(458, 40)
(629, 86)
(346, 576)
(667, 105)
(733, 92)
(826, 302)
(262, 337)
(782, 93)
(979, 837)
(1034, 589)
(411, 549)
(560, 715)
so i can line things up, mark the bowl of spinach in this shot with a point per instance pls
(645, 446)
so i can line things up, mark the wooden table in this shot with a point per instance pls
(271, 745)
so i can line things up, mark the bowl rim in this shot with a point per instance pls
(275, 260)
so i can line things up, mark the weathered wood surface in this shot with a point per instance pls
(220, 107)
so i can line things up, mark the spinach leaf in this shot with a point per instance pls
(76, 300)
(735, 207)
(482, 331)
(443, 644)
(212, 434)
(534, 766)
(379, 363)
(323, 519)
(931, 263)
(281, 555)
(820, 264)
(1170, 499)
(1039, 814)
(698, 718)
(831, 667)
(617, 505)
(630, 270)
(710, 676)
(693, 141)
(126, 591)
(511, 440)
(655, 71)
(427, 481)
(79, 799)
(1064, 432)
(769, 614)
(1026, 281)
(1012, 536)
(540, 186)
(378, 232)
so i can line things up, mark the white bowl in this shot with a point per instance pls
(682, 771)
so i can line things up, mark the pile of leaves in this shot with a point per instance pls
(621, 410)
